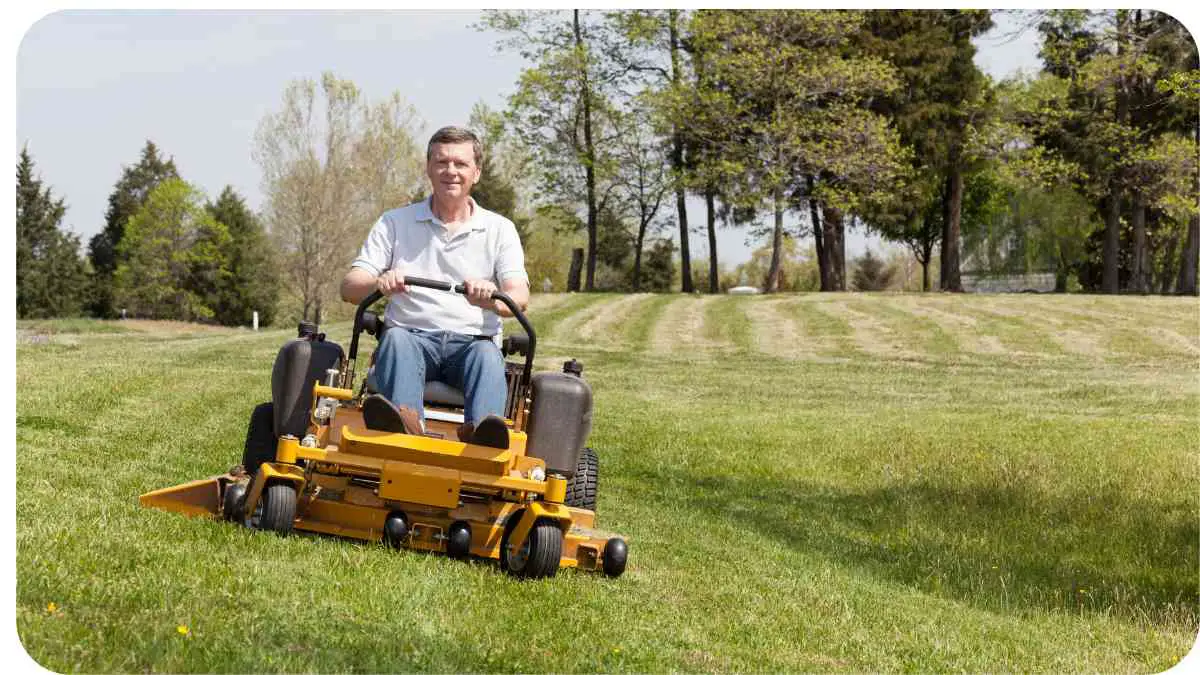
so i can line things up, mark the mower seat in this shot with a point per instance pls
(436, 393)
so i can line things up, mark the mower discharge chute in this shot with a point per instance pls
(311, 464)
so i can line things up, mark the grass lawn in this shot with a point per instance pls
(856, 482)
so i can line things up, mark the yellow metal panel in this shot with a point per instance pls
(432, 485)
(195, 498)
(345, 520)
(425, 450)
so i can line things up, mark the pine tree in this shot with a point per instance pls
(128, 196)
(872, 273)
(172, 257)
(50, 272)
(253, 283)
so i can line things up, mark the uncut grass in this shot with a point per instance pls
(872, 514)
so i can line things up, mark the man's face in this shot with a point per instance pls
(451, 169)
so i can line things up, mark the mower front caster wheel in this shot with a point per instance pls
(276, 508)
(233, 506)
(539, 556)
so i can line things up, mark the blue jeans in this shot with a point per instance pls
(407, 358)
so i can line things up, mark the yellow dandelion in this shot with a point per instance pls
(51, 608)
(183, 630)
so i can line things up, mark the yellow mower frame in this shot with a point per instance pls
(426, 492)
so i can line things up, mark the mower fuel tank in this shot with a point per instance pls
(560, 419)
(299, 364)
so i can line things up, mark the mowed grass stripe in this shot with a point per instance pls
(608, 325)
(682, 331)
(643, 319)
(775, 332)
(921, 333)
(725, 323)
(829, 334)
(560, 324)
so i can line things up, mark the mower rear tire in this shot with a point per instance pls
(538, 558)
(278, 503)
(260, 438)
(581, 488)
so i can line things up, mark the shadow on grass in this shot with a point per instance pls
(999, 548)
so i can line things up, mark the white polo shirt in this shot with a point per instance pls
(414, 241)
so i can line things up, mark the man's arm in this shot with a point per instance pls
(358, 284)
(518, 290)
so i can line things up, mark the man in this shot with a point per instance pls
(435, 335)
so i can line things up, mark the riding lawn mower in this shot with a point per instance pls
(311, 464)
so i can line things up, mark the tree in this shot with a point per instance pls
(659, 269)
(127, 197)
(497, 186)
(872, 273)
(327, 176)
(934, 110)
(559, 108)
(642, 178)
(655, 45)
(50, 272)
(792, 90)
(253, 282)
(1116, 70)
(173, 255)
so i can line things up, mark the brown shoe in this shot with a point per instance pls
(491, 431)
(379, 414)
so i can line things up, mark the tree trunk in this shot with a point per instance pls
(951, 279)
(1186, 285)
(685, 254)
(834, 233)
(590, 163)
(1109, 280)
(714, 280)
(1141, 280)
(637, 258)
(575, 271)
(1061, 272)
(814, 214)
(1169, 270)
(772, 281)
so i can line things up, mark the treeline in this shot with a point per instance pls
(792, 125)
(164, 253)
(864, 119)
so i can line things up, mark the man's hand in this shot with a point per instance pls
(479, 293)
(391, 282)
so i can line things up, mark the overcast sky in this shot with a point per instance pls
(93, 86)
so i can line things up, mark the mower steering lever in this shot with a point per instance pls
(437, 285)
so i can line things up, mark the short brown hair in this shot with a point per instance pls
(456, 135)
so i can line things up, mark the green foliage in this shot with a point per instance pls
(658, 266)
(253, 281)
(174, 255)
(51, 280)
(552, 233)
(872, 273)
(128, 196)
(798, 269)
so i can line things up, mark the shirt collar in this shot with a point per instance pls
(475, 223)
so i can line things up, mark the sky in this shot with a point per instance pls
(93, 86)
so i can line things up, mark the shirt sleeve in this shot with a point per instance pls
(510, 257)
(375, 256)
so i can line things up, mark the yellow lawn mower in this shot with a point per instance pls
(312, 464)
